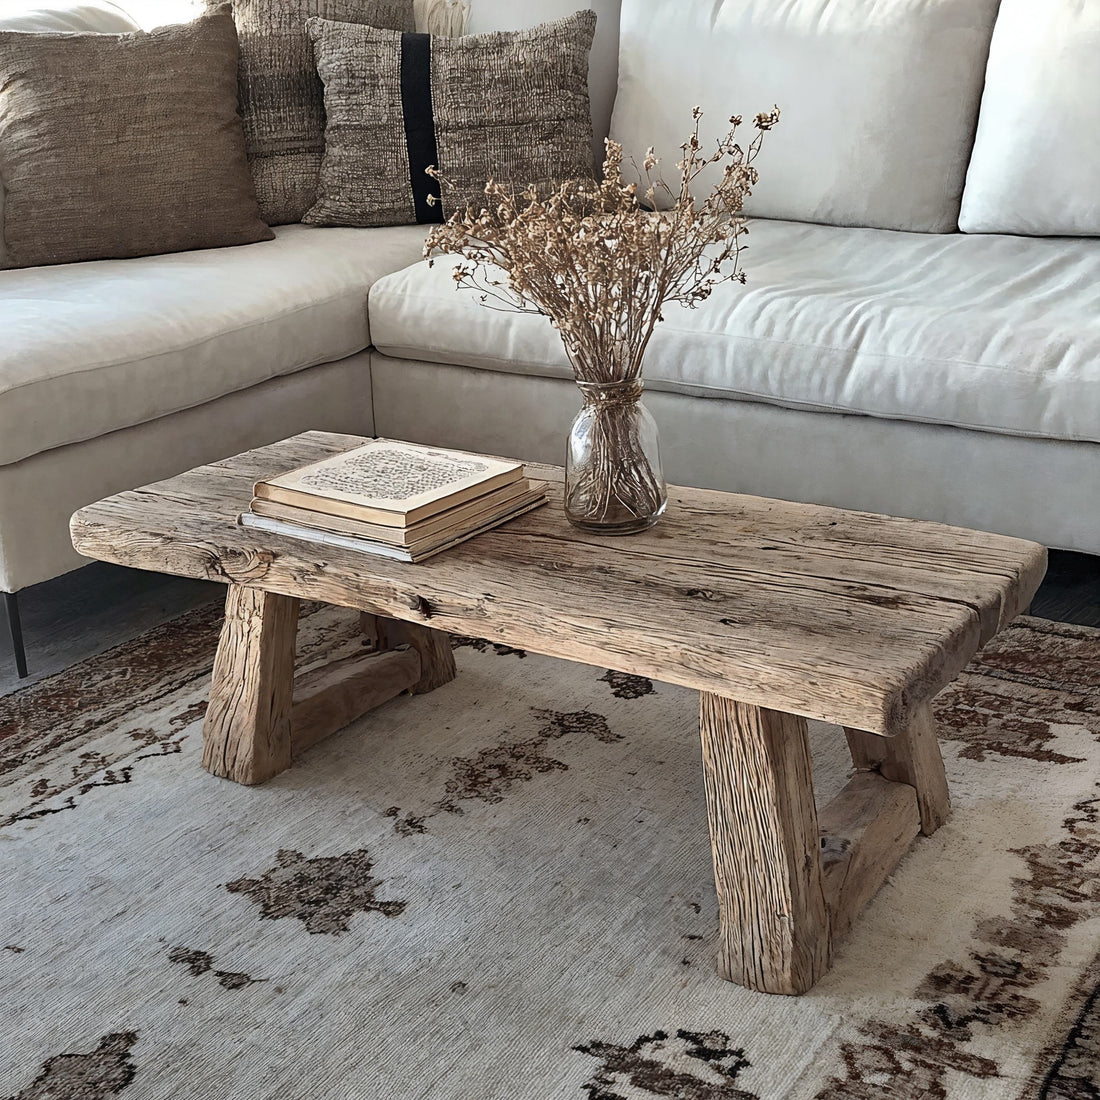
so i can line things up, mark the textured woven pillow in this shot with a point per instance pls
(512, 105)
(114, 146)
(282, 99)
(103, 17)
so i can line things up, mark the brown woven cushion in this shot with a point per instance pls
(282, 99)
(510, 105)
(114, 146)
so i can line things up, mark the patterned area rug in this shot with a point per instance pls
(503, 890)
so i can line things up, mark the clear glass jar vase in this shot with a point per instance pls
(613, 479)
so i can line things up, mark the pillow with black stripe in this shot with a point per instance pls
(511, 105)
(282, 101)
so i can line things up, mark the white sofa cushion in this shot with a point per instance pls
(103, 17)
(879, 100)
(999, 334)
(90, 348)
(1036, 162)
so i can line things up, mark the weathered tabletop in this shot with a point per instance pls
(848, 617)
(775, 612)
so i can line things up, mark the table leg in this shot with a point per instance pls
(260, 717)
(437, 659)
(774, 925)
(911, 757)
(246, 734)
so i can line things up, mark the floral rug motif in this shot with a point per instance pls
(502, 891)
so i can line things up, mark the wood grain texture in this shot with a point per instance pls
(865, 830)
(774, 927)
(796, 611)
(913, 756)
(331, 697)
(246, 732)
(847, 617)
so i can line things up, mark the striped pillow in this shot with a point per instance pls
(511, 105)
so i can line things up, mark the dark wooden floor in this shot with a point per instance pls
(89, 611)
(1071, 591)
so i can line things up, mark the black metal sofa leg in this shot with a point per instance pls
(15, 628)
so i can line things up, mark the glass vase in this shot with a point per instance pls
(613, 479)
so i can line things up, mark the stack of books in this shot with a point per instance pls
(396, 499)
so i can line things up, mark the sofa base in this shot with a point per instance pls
(1045, 490)
(15, 632)
(40, 493)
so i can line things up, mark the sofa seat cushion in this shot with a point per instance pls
(93, 347)
(998, 334)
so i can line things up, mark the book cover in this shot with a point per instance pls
(369, 546)
(390, 483)
(474, 512)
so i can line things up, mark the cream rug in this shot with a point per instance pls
(503, 890)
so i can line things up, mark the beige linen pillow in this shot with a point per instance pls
(105, 17)
(114, 146)
(282, 99)
(512, 105)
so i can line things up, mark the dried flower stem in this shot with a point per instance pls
(618, 485)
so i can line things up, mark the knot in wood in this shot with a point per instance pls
(421, 605)
(700, 594)
(244, 565)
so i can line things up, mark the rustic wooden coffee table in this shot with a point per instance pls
(774, 612)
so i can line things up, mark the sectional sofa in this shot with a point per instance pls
(878, 358)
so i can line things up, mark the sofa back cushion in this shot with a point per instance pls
(879, 98)
(104, 18)
(1036, 163)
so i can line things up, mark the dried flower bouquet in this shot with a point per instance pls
(601, 260)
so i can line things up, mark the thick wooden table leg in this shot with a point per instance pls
(911, 757)
(437, 660)
(246, 735)
(260, 718)
(774, 927)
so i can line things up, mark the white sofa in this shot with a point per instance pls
(884, 360)
(918, 371)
